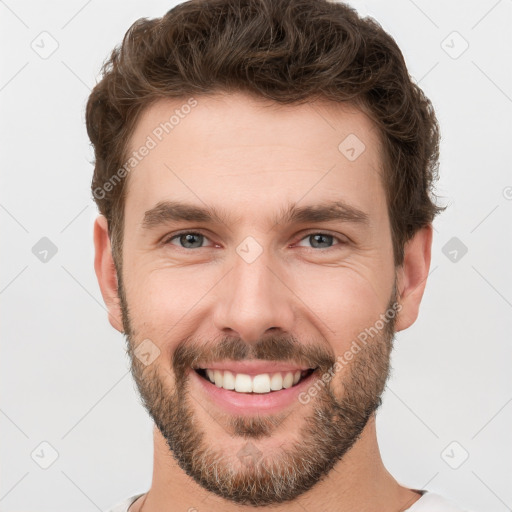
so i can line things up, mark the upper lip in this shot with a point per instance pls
(254, 367)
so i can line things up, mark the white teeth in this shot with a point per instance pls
(217, 375)
(243, 383)
(276, 382)
(229, 380)
(262, 383)
(288, 380)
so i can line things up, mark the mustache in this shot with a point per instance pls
(190, 353)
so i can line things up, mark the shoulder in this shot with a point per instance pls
(125, 504)
(432, 502)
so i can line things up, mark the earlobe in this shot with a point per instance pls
(106, 272)
(412, 276)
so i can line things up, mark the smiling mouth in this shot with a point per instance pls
(254, 384)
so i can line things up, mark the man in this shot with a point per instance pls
(264, 173)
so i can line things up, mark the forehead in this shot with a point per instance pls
(235, 149)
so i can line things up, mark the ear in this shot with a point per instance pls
(106, 272)
(412, 276)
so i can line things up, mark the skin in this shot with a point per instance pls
(252, 159)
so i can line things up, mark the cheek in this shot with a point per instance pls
(345, 300)
(169, 304)
(164, 303)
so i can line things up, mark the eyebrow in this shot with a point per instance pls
(175, 211)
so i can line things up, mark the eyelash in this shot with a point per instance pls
(342, 242)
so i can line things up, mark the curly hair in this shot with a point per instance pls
(287, 51)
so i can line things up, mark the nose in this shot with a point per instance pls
(253, 300)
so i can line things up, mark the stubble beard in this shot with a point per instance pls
(331, 424)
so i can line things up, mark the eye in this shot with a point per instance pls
(320, 240)
(188, 240)
(194, 240)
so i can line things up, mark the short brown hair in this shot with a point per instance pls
(287, 51)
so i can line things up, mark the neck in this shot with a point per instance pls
(359, 482)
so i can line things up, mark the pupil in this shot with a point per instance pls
(189, 238)
(320, 237)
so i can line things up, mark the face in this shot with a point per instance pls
(257, 257)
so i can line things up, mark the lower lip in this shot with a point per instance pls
(250, 403)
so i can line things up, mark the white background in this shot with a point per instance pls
(64, 372)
